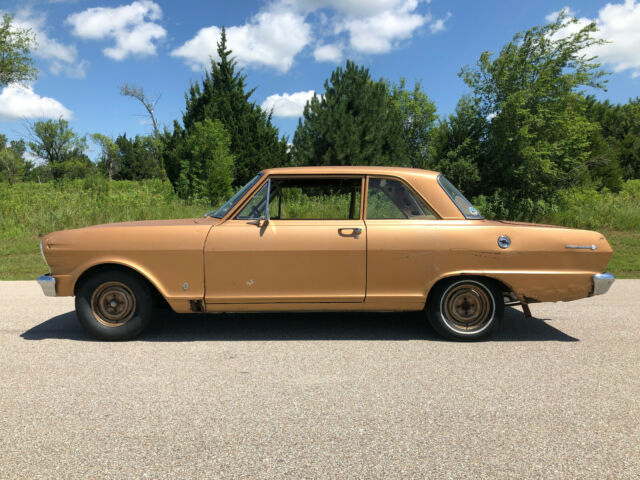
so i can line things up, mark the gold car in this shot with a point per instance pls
(325, 239)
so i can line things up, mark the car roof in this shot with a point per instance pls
(351, 169)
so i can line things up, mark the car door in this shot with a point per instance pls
(403, 244)
(298, 240)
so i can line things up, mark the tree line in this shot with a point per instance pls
(526, 130)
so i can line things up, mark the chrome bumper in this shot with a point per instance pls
(48, 284)
(602, 282)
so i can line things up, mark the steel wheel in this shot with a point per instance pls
(466, 306)
(113, 304)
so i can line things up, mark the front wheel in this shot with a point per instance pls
(114, 305)
(465, 308)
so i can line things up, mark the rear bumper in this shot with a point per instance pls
(602, 282)
(48, 284)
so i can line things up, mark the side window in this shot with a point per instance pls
(390, 199)
(315, 198)
(255, 208)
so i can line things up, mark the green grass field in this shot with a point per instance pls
(30, 210)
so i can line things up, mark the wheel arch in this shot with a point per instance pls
(504, 287)
(105, 266)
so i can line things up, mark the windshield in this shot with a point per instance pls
(464, 205)
(222, 211)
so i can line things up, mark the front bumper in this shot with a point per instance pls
(48, 284)
(602, 282)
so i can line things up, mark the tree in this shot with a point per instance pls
(620, 129)
(13, 166)
(149, 103)
(207, 172)
(355, 122)
(418, 114)
(16, 65)
(136, 158)
(538, 138)
(108, 158)
(456, 148)
(222, 95)
(64, 151)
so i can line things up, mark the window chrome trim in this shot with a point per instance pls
(472, 217)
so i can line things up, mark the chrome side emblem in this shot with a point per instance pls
(185, 286)
(504, 241)
(581, 247)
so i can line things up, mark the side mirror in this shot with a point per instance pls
(258, 221)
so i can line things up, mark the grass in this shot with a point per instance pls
(625, 262)
(30, 210)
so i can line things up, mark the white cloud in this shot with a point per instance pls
(617, 24)
(270, 38)
(331, 52)
(281, 31)
(438, 25)
(380, 33)
(553, 16)
(287, 104)
(19, 102)
(62, 57)
(132, 27)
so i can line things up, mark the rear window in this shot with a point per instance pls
(469, 211)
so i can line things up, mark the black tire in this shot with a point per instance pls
(466, 308)
(114, 305)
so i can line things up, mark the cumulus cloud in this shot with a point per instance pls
(287, 104)
(331, 52)
(617, 24)
(62, 58)
(133, 27)
(379, 33)
(276, 35)
(270, 38)
(18, 102)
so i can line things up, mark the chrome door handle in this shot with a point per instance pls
(355, 232)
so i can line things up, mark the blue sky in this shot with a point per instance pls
(287, 47)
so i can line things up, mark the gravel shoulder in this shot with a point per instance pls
(321, 395)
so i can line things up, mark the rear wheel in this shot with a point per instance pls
(465, 308)
(114, 305)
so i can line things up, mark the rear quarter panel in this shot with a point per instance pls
(407, 257)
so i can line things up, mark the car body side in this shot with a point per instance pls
(403, 258)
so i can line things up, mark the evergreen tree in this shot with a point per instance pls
(355, 122)
(207, 171)
(222, 95)
(136, 159)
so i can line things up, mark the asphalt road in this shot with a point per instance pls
(321, 396)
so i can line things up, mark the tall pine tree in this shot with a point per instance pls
(222, 95)
(355, 122)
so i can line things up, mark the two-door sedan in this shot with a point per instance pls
(326, 239)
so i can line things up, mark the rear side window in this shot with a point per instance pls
(390, 199)
(469, 211)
